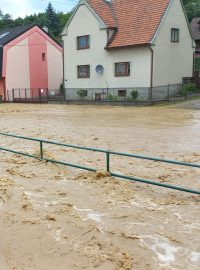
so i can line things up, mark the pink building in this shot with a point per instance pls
(29, 59)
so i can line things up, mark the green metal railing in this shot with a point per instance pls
(108, 155)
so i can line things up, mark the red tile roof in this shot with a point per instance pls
(136, 20)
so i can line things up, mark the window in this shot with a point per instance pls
(122, 93)
(83, 42)
(174, 35)
(83, 71)
(43, 56)
(122, 69)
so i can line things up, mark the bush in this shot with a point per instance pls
(62, 89)
(112, 98)
(82, 93)
(134, 94)
(188, 88)
(197, 64)
(1, 98)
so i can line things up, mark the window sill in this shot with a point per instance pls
(124, 75)
(85, 48)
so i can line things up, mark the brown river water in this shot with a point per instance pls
(60, 218)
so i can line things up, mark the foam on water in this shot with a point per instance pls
(195, 257)
(91, 214)
(163, 249)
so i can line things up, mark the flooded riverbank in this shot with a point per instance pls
(56, 217)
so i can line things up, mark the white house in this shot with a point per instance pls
(119, 45)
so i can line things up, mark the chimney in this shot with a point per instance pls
(46, 29)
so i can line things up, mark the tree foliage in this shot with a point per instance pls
(54, 21)
(192, 8)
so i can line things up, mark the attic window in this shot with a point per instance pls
(5, 34)
(83, 42)
(43, 56)
(175, 35)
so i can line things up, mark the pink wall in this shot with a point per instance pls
(38, 66)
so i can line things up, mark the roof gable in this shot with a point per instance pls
(102, 24)
(11, 35)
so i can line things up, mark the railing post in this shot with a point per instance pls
(108, 161)
(41, 150)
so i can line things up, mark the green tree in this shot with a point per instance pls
(63, 18)
(52, 21)
(192, 8)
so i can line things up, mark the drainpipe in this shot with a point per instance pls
(151, 75)
(63, 59)
(193, 73)
(4, 89)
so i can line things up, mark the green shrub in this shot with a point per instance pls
(134, 94)
(188, 88)
(197, 64)
(1, 98)
(129, 99)
(82, 93)
(112, 98)
(62, 89)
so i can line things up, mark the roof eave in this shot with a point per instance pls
(127, 46)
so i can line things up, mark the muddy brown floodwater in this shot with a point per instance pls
(59, 218)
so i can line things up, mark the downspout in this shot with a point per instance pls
(63, 59)
(4, 89)
(194, 60)
(151, 74)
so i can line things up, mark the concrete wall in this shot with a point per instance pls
(85, 23)
(144, 93)
(108, 94)
(173, 61)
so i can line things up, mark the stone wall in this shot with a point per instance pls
(122, 94)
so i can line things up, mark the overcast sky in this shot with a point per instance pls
(26, 7)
